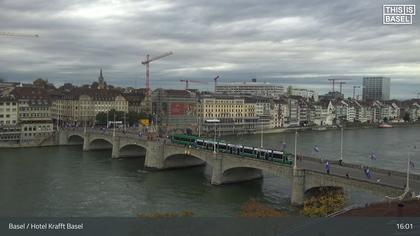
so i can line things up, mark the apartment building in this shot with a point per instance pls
(236, 114)
(81, 105)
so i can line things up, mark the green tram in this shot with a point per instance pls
(240, 150)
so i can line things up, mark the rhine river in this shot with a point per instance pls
(65, 181)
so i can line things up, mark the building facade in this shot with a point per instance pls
(9, 111)
(376, 88)
(174, 110)
(80, 106)
(235, 114)
(251, 88)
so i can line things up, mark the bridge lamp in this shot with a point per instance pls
(215, 122)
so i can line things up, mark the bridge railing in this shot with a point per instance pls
(359, 166)
(356, 179)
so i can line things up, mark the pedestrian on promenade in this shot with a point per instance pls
(327, 167)
(367, 172)
(347, 175)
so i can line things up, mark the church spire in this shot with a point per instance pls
(101, 81)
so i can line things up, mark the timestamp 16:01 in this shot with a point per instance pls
(405, 226)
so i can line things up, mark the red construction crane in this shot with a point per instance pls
(187, 81)
(215, 82)
(147, 63)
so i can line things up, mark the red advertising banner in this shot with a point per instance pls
(180, 109)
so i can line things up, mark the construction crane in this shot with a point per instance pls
(418, 95)
(333, 82)
(215, 82)
(10, 34)
(147, 63)
(187, 81)
(354, 90)
(341, 86)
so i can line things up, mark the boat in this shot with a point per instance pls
(385, 125)
(320, 128)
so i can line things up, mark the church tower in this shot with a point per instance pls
(101, 81)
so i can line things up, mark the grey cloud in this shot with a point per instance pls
(293, 42)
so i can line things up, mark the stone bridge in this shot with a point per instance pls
(228, 168)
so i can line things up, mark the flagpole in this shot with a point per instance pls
(407, 185)
(295, 164)
(341, 148)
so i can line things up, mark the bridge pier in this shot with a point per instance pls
(115, 147)
(155, 155)
(62, 138)
(298, 187)
(86, 142)
(217, 171)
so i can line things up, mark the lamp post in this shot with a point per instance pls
(407, 185)
(295, 161)
(199, 126)
(113, 133)
(58, 120)
(341, 143)
(125, 123)
(262, 135)
(214, 140)
(107, 119)
(214, 121)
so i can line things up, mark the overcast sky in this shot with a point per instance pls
(300, 43)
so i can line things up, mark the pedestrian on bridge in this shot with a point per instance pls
(327, 167)
(368, 174)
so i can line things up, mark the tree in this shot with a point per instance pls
(67, 86)
(40, 83)
(134, 117)
(406, 117)
(101, 118)
(385, 119)
(289, 91)
(43, 83)
(94, 85)
(252, 208)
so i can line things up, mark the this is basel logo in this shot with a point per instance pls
(398, 14)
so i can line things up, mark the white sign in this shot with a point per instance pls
(398, 14)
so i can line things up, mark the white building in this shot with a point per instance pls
(252, 88)
(305, 93)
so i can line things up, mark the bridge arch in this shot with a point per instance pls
(75, 139)
(132, 150)
(239, 174)
(100, 143)
(186, 159)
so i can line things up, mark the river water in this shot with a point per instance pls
(65, 181)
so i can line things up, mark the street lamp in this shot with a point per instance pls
(214, 121)
(113, 134)
(295, 161)
(262, 134)
(341, 144)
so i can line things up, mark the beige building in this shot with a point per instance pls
(235, 114)
(80, 106)
(34, 113)
(9, 111)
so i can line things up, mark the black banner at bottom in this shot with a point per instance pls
(286, 226)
